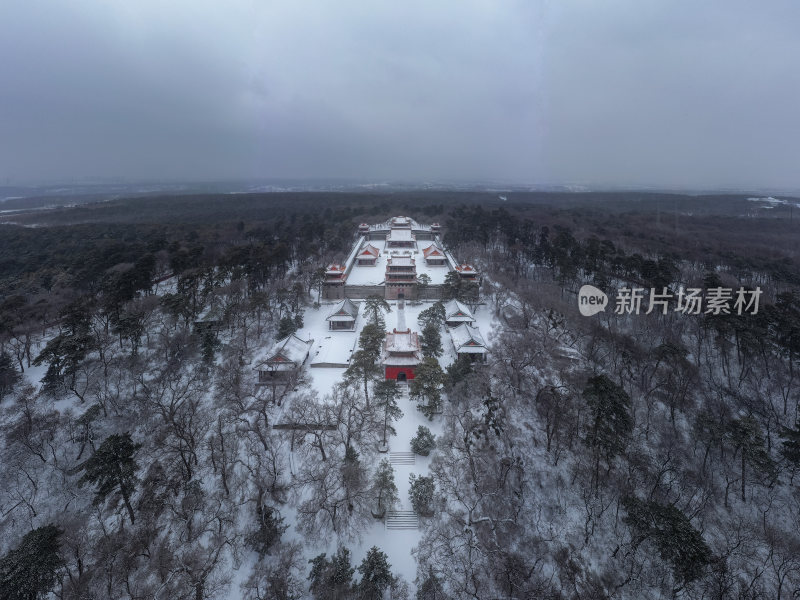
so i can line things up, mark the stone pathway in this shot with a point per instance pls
(402, 458)
(402, 519)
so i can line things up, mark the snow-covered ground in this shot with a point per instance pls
(396, 543)
(335, 346)
(329, 346)
(33, 373)
(773, 202)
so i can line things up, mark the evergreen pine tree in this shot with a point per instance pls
(371, 338)
(458, 370)
(32, 569)
(363, 362)
(423, 281)
(386, 397)
(331, 579)
(384, 488)
(269, 530)
(610, 422)
(453, 286)
(426, 386)
(790, 447)
(421, 493)
(434, 314)
(363, 368)
(112, 468)
(286, 327)
(423, 442)
(431, 342)
(65, 352)
(376, 575)
(374, 307)
(9, 376)
(746, 436)
(677, 541)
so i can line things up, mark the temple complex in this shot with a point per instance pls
(396, 259)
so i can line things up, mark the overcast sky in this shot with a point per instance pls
(660, 93)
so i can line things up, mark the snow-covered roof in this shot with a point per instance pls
(400, 235)
(288, 353)
(346, 310)
(467, 339)
(369, 251)
(405, 222)
(466, 269)
(335, 269)
(433, 251)
(400, 261)
(401, 348)
(402, 341)
(456, 311)
(370, 275)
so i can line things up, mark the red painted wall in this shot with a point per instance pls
(393, 372)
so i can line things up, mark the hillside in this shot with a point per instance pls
(151, 448)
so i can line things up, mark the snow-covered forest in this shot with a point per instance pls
(613, 456)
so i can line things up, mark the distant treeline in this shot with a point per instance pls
(608, 234)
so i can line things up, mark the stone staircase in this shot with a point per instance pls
(402, 458)
(402, 519)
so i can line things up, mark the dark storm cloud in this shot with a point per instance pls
(676, 93)
(641, 93)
